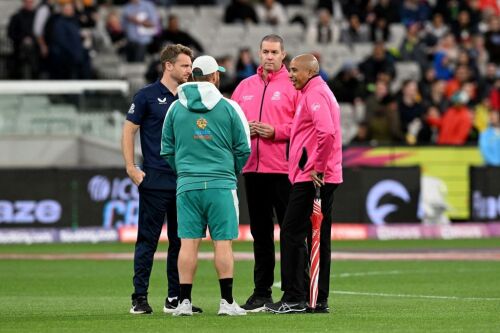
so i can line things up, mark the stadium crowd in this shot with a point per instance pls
(456, 45)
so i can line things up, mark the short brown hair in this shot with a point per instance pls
(273, 38)
(172, 51)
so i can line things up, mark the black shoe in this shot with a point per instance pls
(256, 303)
(170, 306)
(140, 305)
(321, 307)
(286, 307)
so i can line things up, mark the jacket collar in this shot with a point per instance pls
(313, 82)
(272, 75)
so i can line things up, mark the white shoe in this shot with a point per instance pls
(227, 309)
(185, 308)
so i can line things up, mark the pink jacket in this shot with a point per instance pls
(316, 127)
(272, 102)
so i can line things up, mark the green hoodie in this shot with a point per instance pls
(205, 139)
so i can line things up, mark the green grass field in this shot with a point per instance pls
(367, 296)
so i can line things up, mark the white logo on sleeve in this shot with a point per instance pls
(247, 98)
(315, 106)
(162, 100)
(132, 109)
(276, 96)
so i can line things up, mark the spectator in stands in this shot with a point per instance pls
(448, 45)
(379, 30)
(140, 22)
(461, 77)
(435, 29)
(227, 79)
(482, 115)
(245, 65)
(172, 34)
(489, 141)
(463, 28)
(322, 72)
(116, 33)
(425, 84)
(486, 83)
(413, 48)
(360, 8)
(490, 6)
(456, 123)
(25, 53)
(86, 11)
(492, 39)
(495, 95)
(271, 12)
(355, 32)
(464, 59)
(409, 104)
(382, 116)
(477, 50)
(324, 31)
(428, 133)
(437, 97)
(387, 9)
(69, 59)
(378, 62)
(347, 84)
(240, 11)
(44, 15)
(415, 11)
(443, 66)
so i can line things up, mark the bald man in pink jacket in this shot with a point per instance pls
(315, 161)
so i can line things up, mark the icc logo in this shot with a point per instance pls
(201, 123)
(120, 198)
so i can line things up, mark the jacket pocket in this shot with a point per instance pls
(303, 159)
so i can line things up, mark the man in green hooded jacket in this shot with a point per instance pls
(206, 141)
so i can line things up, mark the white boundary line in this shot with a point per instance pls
(345, 292)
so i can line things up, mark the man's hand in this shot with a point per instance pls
(135, 174)
(264, 130)
(317, 178)
(251, 124)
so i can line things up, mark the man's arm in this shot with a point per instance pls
(167, 150)
(128, 140)
(241, 138)
(325, 130)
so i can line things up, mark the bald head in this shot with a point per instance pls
(302, 68)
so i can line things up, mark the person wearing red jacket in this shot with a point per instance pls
(315, 161)
(455, 124)
(268, 100)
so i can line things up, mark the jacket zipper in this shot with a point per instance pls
(260, 117)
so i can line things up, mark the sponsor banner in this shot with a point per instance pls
(128, 234)
(28, 236)
(349, 231)
(88, 235)
(485, 193)
(378, 195)
(448, 164)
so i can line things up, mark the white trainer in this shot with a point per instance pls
(185, 308)
(227, 309)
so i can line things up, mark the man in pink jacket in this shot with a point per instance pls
(268, 100)
(315, 161)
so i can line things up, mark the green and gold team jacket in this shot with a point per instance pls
(205, 138)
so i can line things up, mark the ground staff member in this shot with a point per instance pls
(206, 139)
(315, 160)
(268, 100)
(155, 178)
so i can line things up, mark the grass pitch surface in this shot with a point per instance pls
(367, 296)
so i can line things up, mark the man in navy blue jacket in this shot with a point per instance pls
(155, 179)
